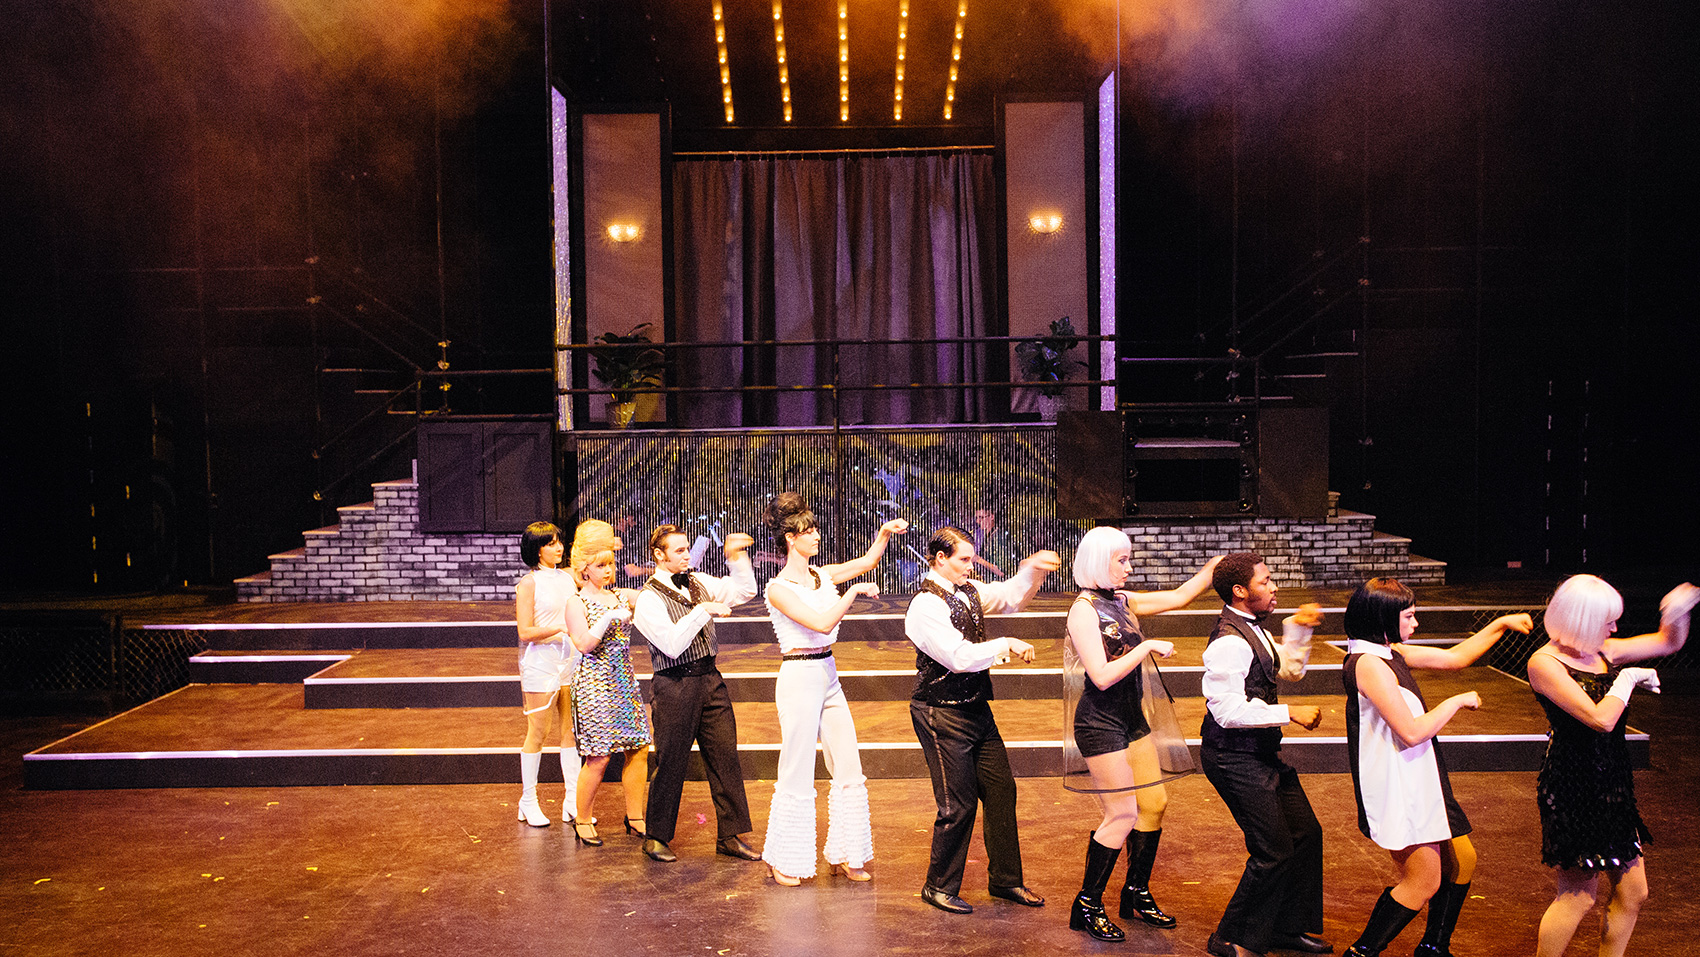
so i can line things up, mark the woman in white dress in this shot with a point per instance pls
(805, 610)
(550, 615)
(1405, 801)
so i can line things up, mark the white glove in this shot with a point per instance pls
(1295, 644)
(1678, 602)
(621, 613)
(1629, 678)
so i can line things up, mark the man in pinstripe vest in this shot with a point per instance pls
(675, 613)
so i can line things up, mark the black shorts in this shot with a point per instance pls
(1097, 737)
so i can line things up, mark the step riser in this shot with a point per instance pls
(94, 772)
(753, 631)
(451, 693)
(238, 671)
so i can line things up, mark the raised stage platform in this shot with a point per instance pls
(385, 700)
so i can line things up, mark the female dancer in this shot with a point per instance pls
(548, 610)
(805, 610)
(1405, 801)
(608, 713)
(1110, 726)
(1589, 824)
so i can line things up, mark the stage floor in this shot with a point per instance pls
(444, 869)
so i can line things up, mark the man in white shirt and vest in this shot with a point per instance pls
(1278, 902)
(675, 612)
(952, 713)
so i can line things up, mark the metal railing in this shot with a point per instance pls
(836, 386)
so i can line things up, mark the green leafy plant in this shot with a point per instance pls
(627, 362)
(1044, 361)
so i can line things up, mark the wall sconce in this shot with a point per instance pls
(1044, 223)
(624, 232)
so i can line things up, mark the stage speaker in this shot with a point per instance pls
(1292, 463)
(1090, 465)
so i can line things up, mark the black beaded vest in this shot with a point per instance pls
(1259, 684)
(934, 683)
(702, 646)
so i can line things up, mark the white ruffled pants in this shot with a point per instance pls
(812, 708)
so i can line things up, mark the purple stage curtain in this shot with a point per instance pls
(872, 248)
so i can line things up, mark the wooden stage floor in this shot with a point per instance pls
(441, 867)
(445, 870)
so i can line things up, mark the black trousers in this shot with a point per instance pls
(1281, 889)
(969, 766)
(695, 709)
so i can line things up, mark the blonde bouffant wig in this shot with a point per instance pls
(592, 540)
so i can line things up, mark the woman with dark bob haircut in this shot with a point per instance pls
(551, 618)
(1405, 801)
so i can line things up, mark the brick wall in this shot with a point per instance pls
(376, 553)
(1342, 551)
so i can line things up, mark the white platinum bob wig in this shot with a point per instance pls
(1092, 557)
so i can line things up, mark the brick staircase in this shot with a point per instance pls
(376, 552)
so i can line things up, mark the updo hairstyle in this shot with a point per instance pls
(787, 515)
(593, 540)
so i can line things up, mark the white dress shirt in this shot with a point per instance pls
(1226, 663)
(671, 637)
(928, 624)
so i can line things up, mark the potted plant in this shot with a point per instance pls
(623, 363)
(1044, 362)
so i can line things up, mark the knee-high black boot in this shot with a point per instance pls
(1443, 910)
(1088, 913)
(1136, 896)
(1385, 922)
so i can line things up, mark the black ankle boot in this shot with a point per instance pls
(1385, 922)
(1443, 910)
(1137, 901)
(1088, 912)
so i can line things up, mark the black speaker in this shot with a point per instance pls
(1292, 463)
(1090, 465)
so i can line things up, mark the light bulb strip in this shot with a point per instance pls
(844, 61)
(725, 65)
(779, 49)
(955, 57)
(902, 51)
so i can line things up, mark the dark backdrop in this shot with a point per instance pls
(1522, 173)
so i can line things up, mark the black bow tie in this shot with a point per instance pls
(682, 581)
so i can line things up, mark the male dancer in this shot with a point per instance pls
(952, 713)
(1279, 898)
(675, 613)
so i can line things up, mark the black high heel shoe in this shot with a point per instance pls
(637, 826)
(591, 840)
